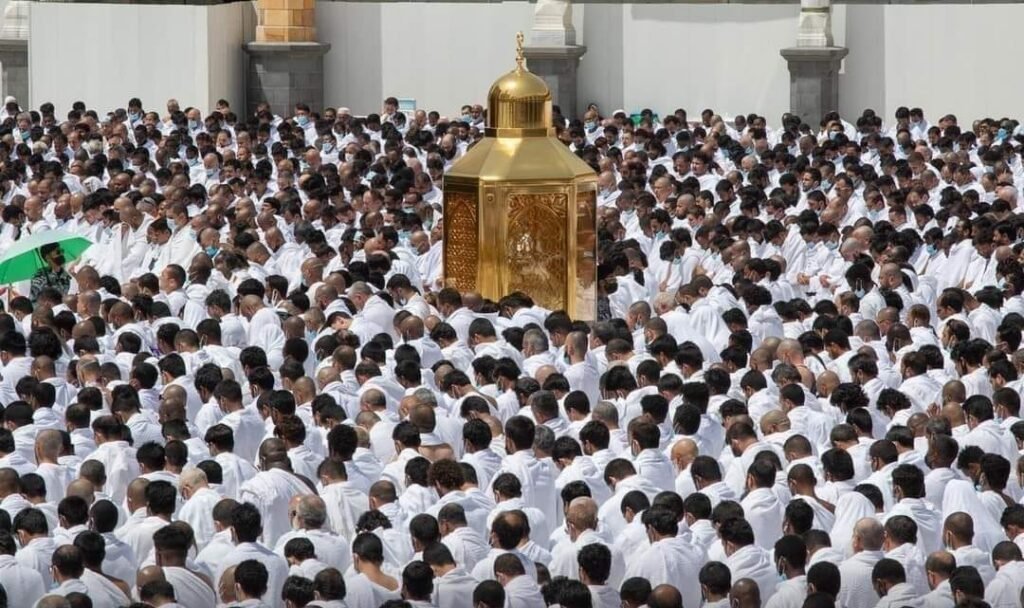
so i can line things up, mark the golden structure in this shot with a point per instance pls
(520, 208)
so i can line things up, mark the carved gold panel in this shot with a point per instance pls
(536, 246)
(461, 251)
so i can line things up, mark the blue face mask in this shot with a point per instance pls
(931, 249)
(1001, 283)
(212, 251)
(302, 120)
(860, 293)
(193, 124)
(831, 245)
(172, 224)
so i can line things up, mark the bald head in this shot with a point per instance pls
(304, 389)
(226, 586)
(665, 596)
(136, 493)
(149, 574)
(49, 445)
(176, 392)
(684, 450)
(582, 513)
(827, 382)
(745, 593)
(192, 479)
(83, 489)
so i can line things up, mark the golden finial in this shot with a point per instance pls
(519, 51)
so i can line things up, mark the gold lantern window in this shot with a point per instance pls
(520, 208)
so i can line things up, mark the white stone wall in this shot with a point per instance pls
(104, 54)
(946, 58)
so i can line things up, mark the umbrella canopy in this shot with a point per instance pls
(23, 259)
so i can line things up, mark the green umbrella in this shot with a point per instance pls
(23, 260)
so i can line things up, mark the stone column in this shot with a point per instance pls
(286, 63)
(14, 52)
(553, 53)
(814, 63)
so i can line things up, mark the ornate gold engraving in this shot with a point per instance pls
(536, 246)
(460, 241)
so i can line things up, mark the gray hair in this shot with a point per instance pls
(312, 511)
(536, 340)
(543, 439)
(425, 396)
(605, 411)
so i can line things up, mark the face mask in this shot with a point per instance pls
(212, 251)
(833, 135)
(210, 173)
(831, 245)
(133, 116)
(193, 125)
(811, 244)
(172, 224)
(860, 293)
(590, 126)
(629, 213)
(826, 184)
(328, 148)
(349, 158)
(302, 120)
(1001, 283)
(931, 249)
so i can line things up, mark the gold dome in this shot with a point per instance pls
(519, 99)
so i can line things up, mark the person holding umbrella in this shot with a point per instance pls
(52, 273)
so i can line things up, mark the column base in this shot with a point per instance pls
(14, 69)
(813, 80)
(557, 65)
(284, 74)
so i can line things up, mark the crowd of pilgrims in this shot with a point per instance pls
(801, 388)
